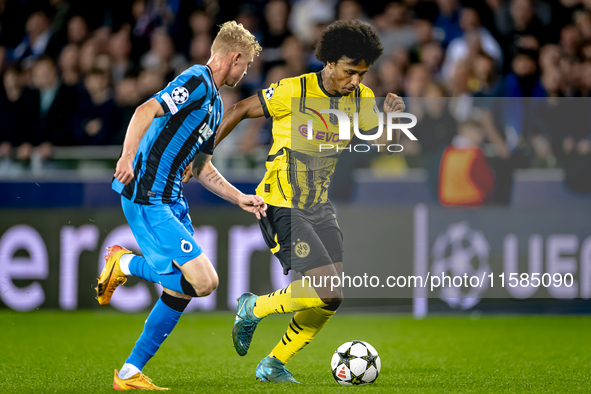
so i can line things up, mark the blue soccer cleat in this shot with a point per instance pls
(245, 324)
(273, 370)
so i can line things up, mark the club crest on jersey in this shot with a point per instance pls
(301, 249)
(186, 246)
(270, 92)
(180, 95)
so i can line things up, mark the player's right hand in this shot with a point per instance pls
(253, 204)
(124, 170)
(188, 173)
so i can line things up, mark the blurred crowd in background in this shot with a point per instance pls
(73, 73)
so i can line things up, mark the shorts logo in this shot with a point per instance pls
(186, 246)
(269, 92)
(180, 95)
(302, 249)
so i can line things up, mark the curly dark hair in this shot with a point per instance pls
(354, 39)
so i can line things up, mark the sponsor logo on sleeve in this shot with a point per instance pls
(171, 105)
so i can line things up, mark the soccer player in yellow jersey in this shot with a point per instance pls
(301, 227)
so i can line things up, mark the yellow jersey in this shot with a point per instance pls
(301, 162)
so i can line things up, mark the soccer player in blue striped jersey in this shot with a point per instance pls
(169, 140)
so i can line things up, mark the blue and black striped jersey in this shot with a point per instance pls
(192, 113)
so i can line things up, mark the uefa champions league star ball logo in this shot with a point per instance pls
(270, 92)
(461, 250)
(180, 95)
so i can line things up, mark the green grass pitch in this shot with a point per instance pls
(60, 352)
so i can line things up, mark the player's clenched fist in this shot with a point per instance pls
(253, 204)
(393, 103)
(124, 170)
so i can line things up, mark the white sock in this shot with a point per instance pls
(124, 263)
(128, 370)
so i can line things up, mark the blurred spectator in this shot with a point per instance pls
(76, 33)
(417, 78)
(475, 39)
(127, 97)
(200, 28)
(306, 14)
(36, 39)
(58, 104)
(293, 55)
(582, 20)
(69, 66)
(96, 115)
(578, 162)
(88, 55)
(447, 23)
(465, 177)
(17, 111)
(390, 79)
(550, 55)
(200, 49)
(350, 10)
(151, 14)
(201, 23)
(570, 39)
(484, 81)
(424, 32)
(276, 30)
(162, 57)
(550, 118)
(394, 28)
(523, 80)
(120, 51)
(435, 130)
(520, 27)
(150, 81)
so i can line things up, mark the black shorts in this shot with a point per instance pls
(303, 239)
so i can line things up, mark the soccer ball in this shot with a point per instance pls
(354, 363)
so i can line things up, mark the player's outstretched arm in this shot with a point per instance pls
(140, 123)
(209, 176)
(247, 108)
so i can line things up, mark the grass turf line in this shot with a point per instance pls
(60, 352)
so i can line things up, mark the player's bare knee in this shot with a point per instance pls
(176, 294)
(332, 297)
(206, 286)
(333, 303)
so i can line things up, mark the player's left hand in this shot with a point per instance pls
(188, 173)
(253, 204)
(394, 103)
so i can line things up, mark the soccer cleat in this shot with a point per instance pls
(273, 370)
(112, 276)
(245, 324)
(139, 381)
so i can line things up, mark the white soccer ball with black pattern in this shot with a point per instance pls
(355, 362)
(180, 94)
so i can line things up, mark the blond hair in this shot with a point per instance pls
(233, 37)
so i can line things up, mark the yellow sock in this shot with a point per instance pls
(298, 296)
(304, 326)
